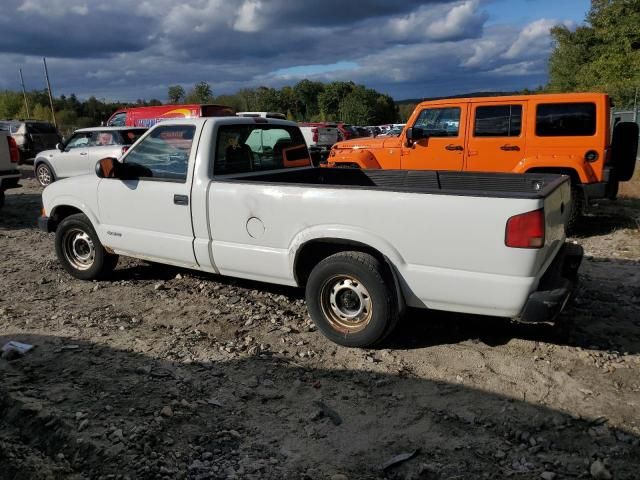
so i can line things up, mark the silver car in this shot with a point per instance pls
(79, 154)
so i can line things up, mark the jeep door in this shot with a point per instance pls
(496, 138)
(443, 149)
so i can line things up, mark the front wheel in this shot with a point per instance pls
(79, 249)
(350, 299)
(44, 174)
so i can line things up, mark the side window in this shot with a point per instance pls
(566, 119)
(118, 120)
(78, 140)
(164, 154)
(103, 139)
(246, 148)
(440, 122)
(498, 121)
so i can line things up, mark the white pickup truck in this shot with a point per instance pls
(235, 196)
(9, 158)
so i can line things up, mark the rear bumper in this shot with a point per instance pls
(555, 287)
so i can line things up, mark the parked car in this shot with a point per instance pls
(554, 133)
(149, 116)
(79, 154)
(320, 137)
(364, 244)
(9, 157)
(347, 132)
(31, 136)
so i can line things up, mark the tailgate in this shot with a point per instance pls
(557, 206)
(5, 157)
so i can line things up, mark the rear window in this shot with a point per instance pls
(250, 148)
(129, 137)
(566, 119)
(498, 121)
(41, 128)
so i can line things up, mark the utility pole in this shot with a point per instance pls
(46, 74)
(24, 93)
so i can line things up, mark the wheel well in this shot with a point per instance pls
(60, 213)
(575, 178)
(314, 251)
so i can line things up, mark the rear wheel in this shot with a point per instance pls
(1, 198)
(79, 249)
(351, 299)
(576, 210)
(44, 174)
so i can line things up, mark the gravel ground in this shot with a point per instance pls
(163, 373)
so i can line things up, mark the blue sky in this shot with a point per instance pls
(130, 49)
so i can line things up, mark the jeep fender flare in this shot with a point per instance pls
(583, 171)
(362, 157)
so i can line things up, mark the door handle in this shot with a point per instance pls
(510, 148)
(454, 147)
(83, 153)
(181, 199)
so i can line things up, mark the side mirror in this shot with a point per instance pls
(107, 168)
(60, 147)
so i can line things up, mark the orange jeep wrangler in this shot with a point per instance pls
(557, 133)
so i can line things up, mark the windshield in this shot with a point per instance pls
(129, 137)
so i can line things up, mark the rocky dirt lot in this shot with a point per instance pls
(162, 373)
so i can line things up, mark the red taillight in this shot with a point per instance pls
(124, 149)
(315, 135)
(525, 230)
(14, 153)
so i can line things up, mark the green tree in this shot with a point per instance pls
(306, 93)
(200, 93)
(602, 55)
(332, 97)
(175, 93)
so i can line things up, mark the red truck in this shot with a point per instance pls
(149, 116)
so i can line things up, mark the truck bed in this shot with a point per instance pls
(503, 185)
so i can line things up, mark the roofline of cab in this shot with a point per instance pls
(551, 97)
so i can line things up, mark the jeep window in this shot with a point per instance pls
(78, 140)
(498, 121)
(247, 148)
(164, 154)
(439, 122)
(566, 119)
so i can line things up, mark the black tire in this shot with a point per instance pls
(1, 198)
(352, 283)
(43, 172)
(576, 210)
(624, 149)
(79, 249)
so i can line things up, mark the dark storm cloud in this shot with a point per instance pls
(38, 28)
(127, 49)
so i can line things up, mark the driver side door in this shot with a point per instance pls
(73, 159)
(445, 126)
(147, 213)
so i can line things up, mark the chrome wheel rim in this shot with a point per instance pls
(346, 303)
(78, 249)
(44, 175)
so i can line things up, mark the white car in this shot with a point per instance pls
(236, 196)
(79, 154)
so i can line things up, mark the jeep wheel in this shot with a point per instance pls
(1, 198)
(351, 299)
(576, 210)
(79, 249)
